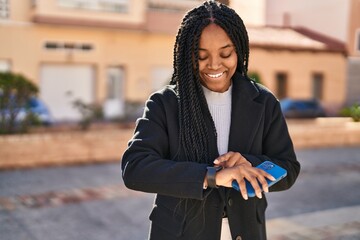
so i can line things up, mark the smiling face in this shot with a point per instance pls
(217, 58)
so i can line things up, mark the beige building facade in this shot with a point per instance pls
(118, 52)
(339, 19)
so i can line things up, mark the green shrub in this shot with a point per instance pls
(352, 111)
(255, 76)
(89, 113)
(15, 92)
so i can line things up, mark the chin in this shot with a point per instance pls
(220, 89)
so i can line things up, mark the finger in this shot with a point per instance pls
(219, 162)
(255, 184)
(263, 182)
(237, 159)
(234, 158)
(265, 174)
(242, 187)
(216, 161)
(269, 176)
(222, 158)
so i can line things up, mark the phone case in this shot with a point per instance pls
(274, 170)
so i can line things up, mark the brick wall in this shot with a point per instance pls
(101, 145)
(325, 132)
(57, 148)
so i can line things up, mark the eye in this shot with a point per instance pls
(202, 57)
(226, 55)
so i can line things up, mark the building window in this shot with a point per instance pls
(281, 85)
(357, 40)
(114, 104)
(4, 9)
(83, 47)
(318, 85)
(97, 5)
(4, 66)
(115, 82)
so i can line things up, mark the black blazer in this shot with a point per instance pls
(183, 210)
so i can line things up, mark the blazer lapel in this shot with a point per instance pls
(246, 114)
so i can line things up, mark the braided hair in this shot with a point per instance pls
(193, 137)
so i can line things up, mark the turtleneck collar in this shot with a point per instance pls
(217, 98)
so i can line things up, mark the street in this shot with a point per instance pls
(90, 202)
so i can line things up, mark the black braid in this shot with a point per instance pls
(194, 137)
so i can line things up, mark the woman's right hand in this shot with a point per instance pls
(240, 172)
(231, 159)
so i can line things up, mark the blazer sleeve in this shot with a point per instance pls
(277, 146)
(146, 164)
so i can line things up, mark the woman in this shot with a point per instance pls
(210, 115)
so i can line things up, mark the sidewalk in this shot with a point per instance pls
(341, 223)
(335, 224)
(91, 202)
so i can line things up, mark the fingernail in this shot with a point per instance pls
(216, 161)
(260, 196)
(246, 197)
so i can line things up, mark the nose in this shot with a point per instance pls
(214, 63)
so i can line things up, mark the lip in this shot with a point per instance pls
(215, 75)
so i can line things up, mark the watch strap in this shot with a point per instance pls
(210, 176)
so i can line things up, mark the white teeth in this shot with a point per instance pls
(215, 75)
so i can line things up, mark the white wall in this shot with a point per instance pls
(329, 17)
(252, 12)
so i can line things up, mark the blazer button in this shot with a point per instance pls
(238, 238)
(230, 202)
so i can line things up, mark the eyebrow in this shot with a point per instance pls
(226, 46)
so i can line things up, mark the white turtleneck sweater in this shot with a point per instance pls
(220, 109)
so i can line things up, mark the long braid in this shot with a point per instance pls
(194, 137)
(236, 30)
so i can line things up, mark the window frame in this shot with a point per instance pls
(282, 84)
(357, 40)
(317, 79)
(115, 87)
(4, 9)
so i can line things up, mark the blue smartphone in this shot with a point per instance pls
(274, 170)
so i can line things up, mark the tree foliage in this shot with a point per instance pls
(15, 92)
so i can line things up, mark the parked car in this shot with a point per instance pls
(34, 106)
(295, 108)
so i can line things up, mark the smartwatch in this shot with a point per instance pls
(210, 176)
